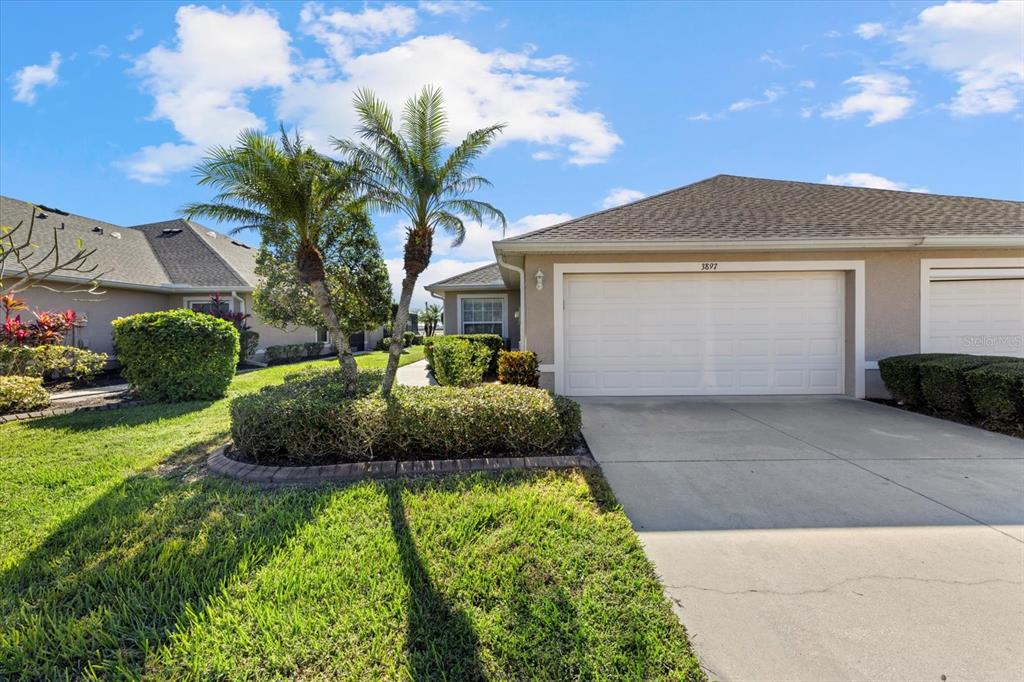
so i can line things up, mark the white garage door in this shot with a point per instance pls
(703, 333)
(981, 317)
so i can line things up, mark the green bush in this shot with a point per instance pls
(309, 419)
(52, 363)
(411, 339)
(944, 385)
(495, 343)
(177, 355)
(902, 376)
(22, 394)
(458, 362)
(997, 392)
(249, 342)
(293, 351)
(518, 367)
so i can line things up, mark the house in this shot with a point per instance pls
(157, 266)
(737, 285)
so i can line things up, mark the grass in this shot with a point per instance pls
(123, 559)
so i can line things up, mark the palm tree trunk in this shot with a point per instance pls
(397, 331)
(346, 361)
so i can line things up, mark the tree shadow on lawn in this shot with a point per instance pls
(440, 640)
(137, 415)
(111, 583)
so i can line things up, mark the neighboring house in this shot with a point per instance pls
(158, 266)
(737, 285)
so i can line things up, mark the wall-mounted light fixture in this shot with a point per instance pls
(540, 279)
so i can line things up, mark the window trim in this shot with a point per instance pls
(188, 301)
(504, 309)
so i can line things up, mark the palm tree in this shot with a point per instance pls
(404, 171)
(431, 316)
(289, 193)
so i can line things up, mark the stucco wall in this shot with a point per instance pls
(269, 336)
(892, 294)
(100, 311)
(451, 312)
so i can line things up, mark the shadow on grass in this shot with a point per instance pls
(125, 416)
(440, 640)
(112, 582)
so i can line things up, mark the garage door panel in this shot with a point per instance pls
(704, 333)
(982, 317)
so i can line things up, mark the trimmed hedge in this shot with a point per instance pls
(997, 392)
(22, 394)
(459, 362)
(518, 367)
(52, 363)
(902, 376)
(944, 386)
(969, 387)
(308, 419)
(177, 355)
(495, 343)
(293, 351)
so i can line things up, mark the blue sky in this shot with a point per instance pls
(106, 106)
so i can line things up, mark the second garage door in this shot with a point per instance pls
(703, 333)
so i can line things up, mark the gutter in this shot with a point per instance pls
(153, 288)
(606, 246)
(522, 298)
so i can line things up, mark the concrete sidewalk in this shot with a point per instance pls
(415, 374)
(811, 538)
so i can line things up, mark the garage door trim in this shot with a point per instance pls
(854, 266)
(931, 269)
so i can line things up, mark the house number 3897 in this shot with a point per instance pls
(709, 266)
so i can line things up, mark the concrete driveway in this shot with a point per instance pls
(825, 538)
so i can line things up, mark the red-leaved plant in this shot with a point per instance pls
(49, 328)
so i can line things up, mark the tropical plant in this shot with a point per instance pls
(49, 328)
(288, 193)
(431, 316)
(404, 170)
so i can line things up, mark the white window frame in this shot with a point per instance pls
(854, 266)
(504, 309)
(206, 299)
(983, 266)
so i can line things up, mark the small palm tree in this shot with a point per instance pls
(431, 316)
(405, 171)
(288, 192)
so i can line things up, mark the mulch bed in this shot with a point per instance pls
(106, 401)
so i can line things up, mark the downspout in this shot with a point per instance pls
(522, 299)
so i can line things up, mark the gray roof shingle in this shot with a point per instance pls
(732, 208)
(486, 276)
(187, 257)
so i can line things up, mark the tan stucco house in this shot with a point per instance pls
(157, 266)
(738, 285)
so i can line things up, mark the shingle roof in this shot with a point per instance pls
(731, 208)
(486, 276)
(172, 253)
(128, 259)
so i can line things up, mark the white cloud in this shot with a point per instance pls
(870, 30)
(200, 84)
(100, 52)
(808, 84)
(459, 8)
(833, 34)
(439, 269)
(980, 45)
(34, 76)
(807, 112)
(618, 196)
(544, 155)
(477, 244)
(770, 95)
(871, 181)
(884, 96)
(134, 35)
(769, 57)
(528, 93)
(702, 116)
(342, 32)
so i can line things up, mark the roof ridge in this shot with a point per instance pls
(854, 187)
(214, 251)
(614, 208)
(461, 274)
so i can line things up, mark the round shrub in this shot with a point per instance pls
(902, 376)
(459, 362)
(997, 392)
(309, 419)
(518, 367)
(177, 355)
(22, 394)
(494, 343)
(944, 385)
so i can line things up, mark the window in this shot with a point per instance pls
(483, 316)
(205, 305)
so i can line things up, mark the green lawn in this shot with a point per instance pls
(121, 558)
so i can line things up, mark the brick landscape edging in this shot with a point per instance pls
(57, 411)
(256, 473)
